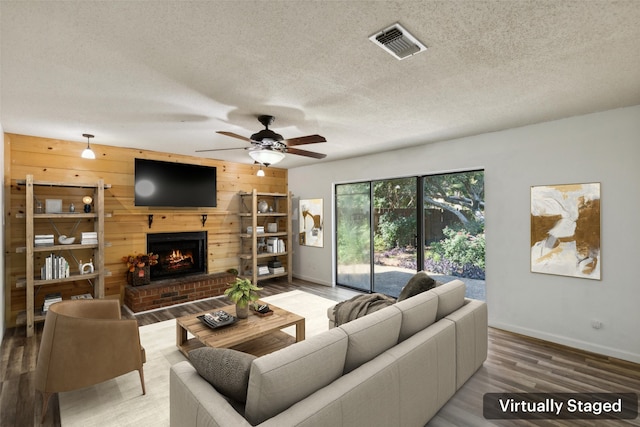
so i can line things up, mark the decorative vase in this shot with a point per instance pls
(242, 312)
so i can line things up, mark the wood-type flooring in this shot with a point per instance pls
(515, 363)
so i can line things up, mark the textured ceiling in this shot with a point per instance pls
(167, 75)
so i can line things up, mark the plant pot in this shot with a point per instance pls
(242, 312)
(139, 276)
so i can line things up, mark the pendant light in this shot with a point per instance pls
(88, 152)
(260, 172)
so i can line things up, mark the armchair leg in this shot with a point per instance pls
(141, 372)
(45, 404)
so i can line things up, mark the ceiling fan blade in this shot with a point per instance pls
(309, 139)
(306, 153)
(220, 149)
(234, 135)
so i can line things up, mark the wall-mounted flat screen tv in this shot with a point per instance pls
(169, 184)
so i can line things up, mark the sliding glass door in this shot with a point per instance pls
(395, 234)
(387, 230)
(353, 235)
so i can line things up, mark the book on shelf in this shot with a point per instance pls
(262, 270)
(44, 240)
(275, 267)
(50, 299)
(272, 245)
(55, 267)
(89, 238)
(275, 245)
(259, 229)
(82, 296)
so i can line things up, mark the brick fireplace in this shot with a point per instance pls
(180, 275)
(168, 292)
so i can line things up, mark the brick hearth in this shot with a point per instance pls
(164, 293)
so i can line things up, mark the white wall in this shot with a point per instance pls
(601, 147)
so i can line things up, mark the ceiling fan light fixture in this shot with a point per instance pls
(88, 153)
(266, 156)
(268, 147)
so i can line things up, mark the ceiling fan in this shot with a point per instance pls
(269, 147)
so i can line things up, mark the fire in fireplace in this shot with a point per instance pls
(179, 254)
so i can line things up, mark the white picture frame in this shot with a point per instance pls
(311, 223)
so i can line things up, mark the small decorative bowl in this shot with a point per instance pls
(64, 240)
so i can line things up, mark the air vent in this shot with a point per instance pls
(398, 42)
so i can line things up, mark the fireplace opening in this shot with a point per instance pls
(179, 254)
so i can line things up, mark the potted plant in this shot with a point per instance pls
(242, 292)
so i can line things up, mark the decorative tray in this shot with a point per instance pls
(262, 310)
(268, 313)
(217, 319)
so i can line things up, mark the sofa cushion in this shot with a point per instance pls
(284, 377)
(225, 369)
(371, 335)
(418, 312)
(450, 297)
(426, 364)
(471, 322)
(420, 282)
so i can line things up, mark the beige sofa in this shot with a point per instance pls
(395, 367)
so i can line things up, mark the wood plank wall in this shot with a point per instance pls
(58, 160)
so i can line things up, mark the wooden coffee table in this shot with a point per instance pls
(256, 334)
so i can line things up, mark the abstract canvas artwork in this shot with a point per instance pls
(565, 230)
(311, 218)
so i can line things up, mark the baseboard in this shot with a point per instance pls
(569, 342)
(313, 279)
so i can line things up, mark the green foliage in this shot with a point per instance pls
(397, 193)
(395, 202)
(379, 244)
(432, 254)
(395, 231)
(353, 212)
(462, 248)
(242, 292)
(353, 243)
(460, 193)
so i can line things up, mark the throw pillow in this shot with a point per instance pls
(225, 369)
(419, 283)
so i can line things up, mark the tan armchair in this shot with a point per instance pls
(85, 342)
